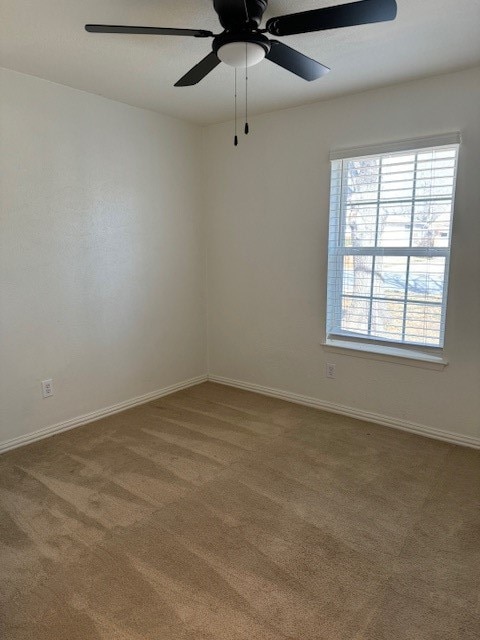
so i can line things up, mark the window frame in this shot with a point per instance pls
(335, 336)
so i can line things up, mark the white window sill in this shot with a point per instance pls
(385, 353)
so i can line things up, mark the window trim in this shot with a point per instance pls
(415, 353)
(383, 353)
(409, 144)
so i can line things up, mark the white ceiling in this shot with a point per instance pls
(47, 39)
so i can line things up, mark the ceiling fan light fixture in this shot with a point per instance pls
(235, 55)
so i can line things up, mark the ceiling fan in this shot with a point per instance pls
(243, 43)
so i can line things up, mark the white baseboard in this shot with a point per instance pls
(96, 415)
(395, 423)
(386, 421)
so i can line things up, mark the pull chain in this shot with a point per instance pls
(246, 89)
(235, 139)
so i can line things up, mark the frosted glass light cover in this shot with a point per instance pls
(234, 54)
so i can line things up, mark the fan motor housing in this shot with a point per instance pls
(230, 19)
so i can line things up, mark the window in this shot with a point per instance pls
(391, 211)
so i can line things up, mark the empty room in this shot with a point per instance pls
(239, 320)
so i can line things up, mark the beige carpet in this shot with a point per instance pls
(221, 514)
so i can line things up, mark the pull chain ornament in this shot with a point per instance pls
(235, 139)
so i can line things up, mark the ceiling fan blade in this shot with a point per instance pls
(199, 71)
(156, 31)
(344, 15)
(294, 61)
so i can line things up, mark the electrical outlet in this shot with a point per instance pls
(330, 370)
(47, 388)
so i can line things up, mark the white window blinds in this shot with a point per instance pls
(389, 244)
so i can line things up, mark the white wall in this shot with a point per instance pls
(102, 248)
(267, 242)
(101, 253)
